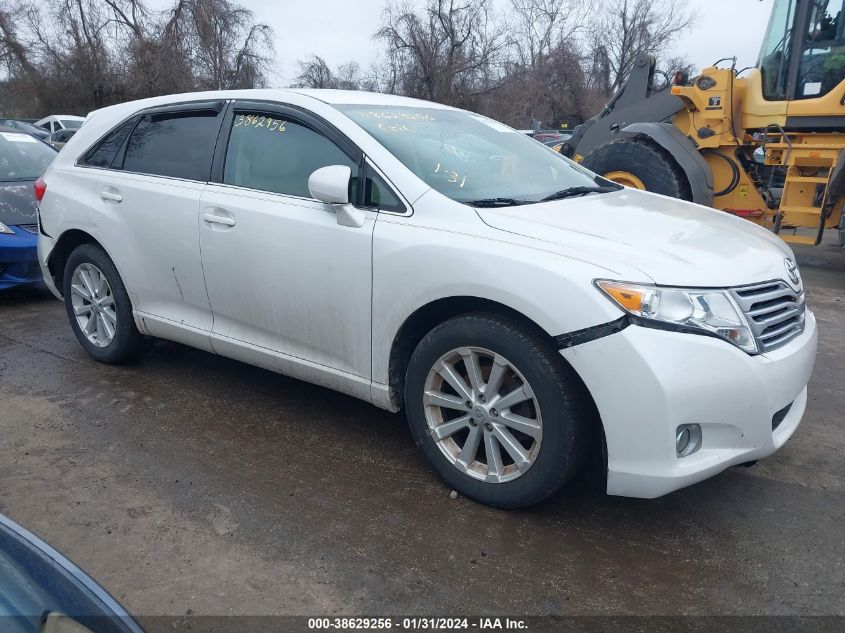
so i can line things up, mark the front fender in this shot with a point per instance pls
(415, 265)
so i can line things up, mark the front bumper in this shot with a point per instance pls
(18, 259)
(646, 382)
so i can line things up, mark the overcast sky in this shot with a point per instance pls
(341, 30)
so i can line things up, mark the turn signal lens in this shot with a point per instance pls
(633, 299)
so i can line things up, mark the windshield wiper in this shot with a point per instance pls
(571, 192)
(496, 202)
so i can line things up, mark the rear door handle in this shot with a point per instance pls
(111, 195)
(213, 218)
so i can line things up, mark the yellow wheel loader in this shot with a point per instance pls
(764, 143)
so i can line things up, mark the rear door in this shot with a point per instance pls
(147, 209)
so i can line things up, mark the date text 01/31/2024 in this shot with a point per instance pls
(418, 624)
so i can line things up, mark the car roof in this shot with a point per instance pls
(360, 97)
(331, 97)
(55, 117)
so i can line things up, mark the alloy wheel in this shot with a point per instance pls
(93, 304)
(483, 414)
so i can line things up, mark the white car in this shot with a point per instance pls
(56, 122)
(525, 313)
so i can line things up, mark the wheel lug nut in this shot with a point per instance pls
(488, 426)
(494, 412)
(481, 398)
(468, 404)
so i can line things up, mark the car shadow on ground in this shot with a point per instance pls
(21, 295)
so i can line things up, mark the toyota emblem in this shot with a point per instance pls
(792, 271)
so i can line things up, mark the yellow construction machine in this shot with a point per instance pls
(764, 143)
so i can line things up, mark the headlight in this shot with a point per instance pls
(706, 311)
(6, 229)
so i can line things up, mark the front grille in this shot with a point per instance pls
(29, 228)
(774, 310)
(778, 417)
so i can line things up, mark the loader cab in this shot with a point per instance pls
(803, 52)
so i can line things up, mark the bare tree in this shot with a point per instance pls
(315, 72)
(76, 55)
(541, 25)
(230, 50)
(447, 52)
(625, 28)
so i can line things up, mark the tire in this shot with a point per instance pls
(842, 231)
(657, 170)
(559, 407)
(127, 342)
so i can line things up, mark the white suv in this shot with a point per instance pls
(526, 314)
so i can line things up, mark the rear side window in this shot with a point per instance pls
(103, 153)
(179, 145)
(268, 153)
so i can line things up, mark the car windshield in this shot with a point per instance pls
(71, 124)
(28, 127)
(23, 157)
(468, 157)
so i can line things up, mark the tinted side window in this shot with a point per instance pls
(102, 154)
(272, 154)
(380, 196)
(179, 145)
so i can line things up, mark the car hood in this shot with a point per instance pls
(17, 202)
(671, 241)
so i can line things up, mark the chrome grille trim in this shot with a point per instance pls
(774, 310)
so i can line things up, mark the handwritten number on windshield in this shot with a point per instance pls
(451, 176)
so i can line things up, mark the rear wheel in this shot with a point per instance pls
(99, 308)
(638, 164)
(496, 412)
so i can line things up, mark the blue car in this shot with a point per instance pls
(23, 158)
(41, 590)
(23, 126)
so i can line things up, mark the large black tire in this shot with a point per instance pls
(127, 342)
(657, 170)
(560, 395)
(842, 231)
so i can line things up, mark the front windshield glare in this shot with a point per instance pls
(23, 157)
(468, 157)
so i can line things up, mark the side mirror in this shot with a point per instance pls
(330, 184)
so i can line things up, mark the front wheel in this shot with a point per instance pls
(495, 410)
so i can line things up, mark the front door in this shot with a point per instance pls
(282, 275)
